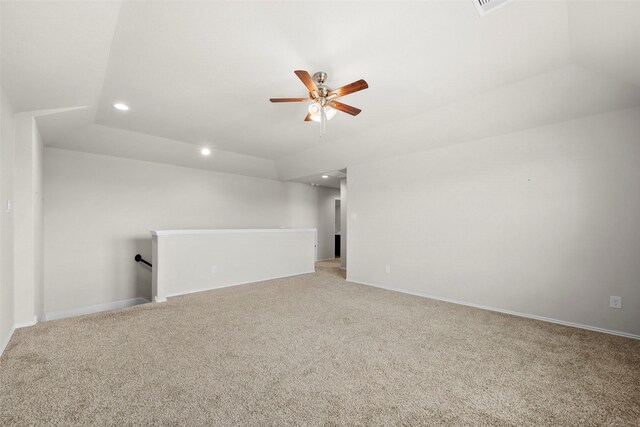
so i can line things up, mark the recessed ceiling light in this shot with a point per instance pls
(120, 106)
(205, 151)
(325, 176)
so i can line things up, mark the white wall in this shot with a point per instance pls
(187, 261)
(326, 222)
(337, 217)
(38, 222)
(99, 210)
(28, 219)
(543, 222)
(6, 221)
(343, 223)
(303, 205)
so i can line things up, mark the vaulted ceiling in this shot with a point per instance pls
(201, 73)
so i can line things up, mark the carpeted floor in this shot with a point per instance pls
(315, 350)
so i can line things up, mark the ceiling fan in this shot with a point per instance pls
(323, 105)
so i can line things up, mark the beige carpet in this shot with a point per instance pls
(315, 350)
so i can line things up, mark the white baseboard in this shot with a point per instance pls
(54, 315)
(325, 259)
(500, 310)
(5, 342)
(27, 324)
(238, 284)
(159, 299)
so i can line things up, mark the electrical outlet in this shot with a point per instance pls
(387, 269)
(615, 302)
(214, 269)
(354, 216)
(9, 206)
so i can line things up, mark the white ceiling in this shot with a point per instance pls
(563, 94)
(605, 36)
(201, 73)
(54, 54)
(332, 179)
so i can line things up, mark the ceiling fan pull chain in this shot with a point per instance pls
(323, 118)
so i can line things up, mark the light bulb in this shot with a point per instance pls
(330, 112)
(314, 110)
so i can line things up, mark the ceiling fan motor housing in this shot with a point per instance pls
(323, 91)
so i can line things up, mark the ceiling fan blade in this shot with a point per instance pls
(345, 108)
(350, 88)
(289, 99)
(307, 80)
(308, 118)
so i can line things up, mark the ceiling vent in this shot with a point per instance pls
(486, 6)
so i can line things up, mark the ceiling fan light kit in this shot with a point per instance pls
(323, 105)
(316, 112)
